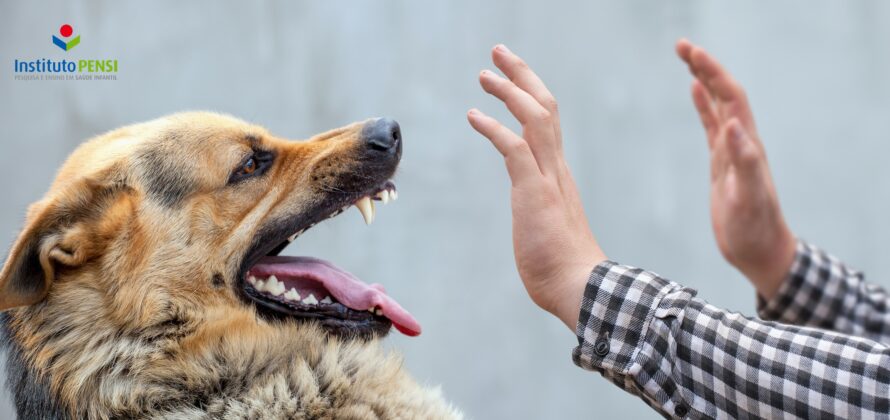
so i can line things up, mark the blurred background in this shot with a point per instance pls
(816, 72)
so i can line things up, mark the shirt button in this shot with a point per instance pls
(601, 347)
(681, 410)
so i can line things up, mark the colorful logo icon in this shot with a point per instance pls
(66, 31)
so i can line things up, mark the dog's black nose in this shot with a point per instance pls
(383, 134)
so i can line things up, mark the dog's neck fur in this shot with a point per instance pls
(66, 360)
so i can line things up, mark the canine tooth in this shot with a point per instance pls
(252, 279)
(366, 207)
(260, 285)
(293, 295)
(378, 312)
(327, 299)
(393, 195)
(310, 300)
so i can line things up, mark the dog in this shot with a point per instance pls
(147, 282)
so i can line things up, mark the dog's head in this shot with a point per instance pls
(191, 211)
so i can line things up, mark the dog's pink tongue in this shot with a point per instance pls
(346, 288)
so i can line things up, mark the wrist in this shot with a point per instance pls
(566, 302)
(769, 277)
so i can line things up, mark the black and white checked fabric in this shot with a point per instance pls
(689, 359)
(823, 292)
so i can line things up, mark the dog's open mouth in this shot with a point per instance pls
(313, 289)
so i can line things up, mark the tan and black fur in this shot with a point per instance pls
(121, 293)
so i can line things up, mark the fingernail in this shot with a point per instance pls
(474, 112)
(502, 48)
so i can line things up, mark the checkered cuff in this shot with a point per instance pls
(616, 311)
(821, 291)
(817, 291)
(688, 359)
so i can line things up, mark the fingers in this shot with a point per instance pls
(684, 51)
(684, 48)
(703, 104)
(520, 161)
(520, 103)
(537, 122)
(722, 86)
(714, 76)
(519, 73)
(720, 162)
(729, 96)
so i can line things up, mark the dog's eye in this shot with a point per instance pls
(249, 167)
(254, 165)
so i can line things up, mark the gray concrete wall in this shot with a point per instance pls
(816, 72)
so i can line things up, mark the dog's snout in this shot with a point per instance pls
(383, 134)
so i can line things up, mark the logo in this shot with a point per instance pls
(73, 67)
(66, 31)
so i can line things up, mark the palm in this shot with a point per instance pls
(743, 217)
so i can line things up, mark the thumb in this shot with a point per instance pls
(743, 153)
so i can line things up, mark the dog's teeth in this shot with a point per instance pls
(294, 236)
(393, 195)
(274, 286)
(252, 279)
(327, 300)
(366, 207)
(260, 285)
(293, 295)
(383, 196)
(378, 312)
(310, 300)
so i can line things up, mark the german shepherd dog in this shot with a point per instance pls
(146, 283)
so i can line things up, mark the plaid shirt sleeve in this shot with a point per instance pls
(689, 359)
(821, 291)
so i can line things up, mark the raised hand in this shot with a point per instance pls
(745, 214)
(552, 243)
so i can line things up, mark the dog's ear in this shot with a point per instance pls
(58, 234)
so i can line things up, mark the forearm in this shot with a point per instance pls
(821, 291)
(653, 338)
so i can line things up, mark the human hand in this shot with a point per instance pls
(552, 243)
(745, 214)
